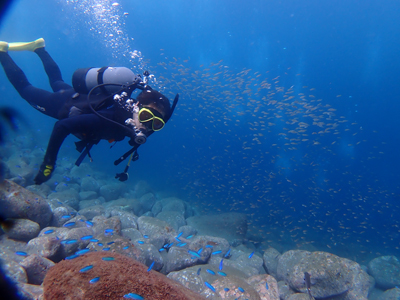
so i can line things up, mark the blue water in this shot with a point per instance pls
(336, 191)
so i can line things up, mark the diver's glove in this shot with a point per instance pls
(44, 174)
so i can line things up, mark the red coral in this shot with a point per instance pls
(117, 278)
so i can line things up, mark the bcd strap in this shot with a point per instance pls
(100, 81)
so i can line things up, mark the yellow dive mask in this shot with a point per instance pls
(146, 115)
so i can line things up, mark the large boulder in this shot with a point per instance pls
(330, 275)
(230, 226)
(386, 271)
(18, 202)
(23, 230)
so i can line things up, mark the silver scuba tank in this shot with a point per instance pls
(83, 80)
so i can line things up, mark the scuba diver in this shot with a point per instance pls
(98, 106)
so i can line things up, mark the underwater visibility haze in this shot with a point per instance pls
(288, 109)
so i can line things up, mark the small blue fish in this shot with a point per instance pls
(266, 285)
(66, 217)
(87, 237)
(251, 254)
(94, 280)
(179, 235)
(151, 267)
(177, 239)
(49, 231)
(71, 257)
(85, 269)
(146, 236)
(209, 246)
(94, 240)
(216, 252)
(181, 244)
(89, 224)
(140, 242)
(241, 289)
(209, 286)
(21, 253)
(194, 253)
(108, 258)
(125, 248)
(226, 289)
(109, 231)
(222, 273)
(161, 249)
(198, 271)
(170, 245)
(110, 243)
(189, 237)
(81, 252)
(106, 249)
(198, 252)
(69, 242)
(133, 296)
(227, 255)
(210, 271)
(69, 224)
(221, 264)
(100, 244)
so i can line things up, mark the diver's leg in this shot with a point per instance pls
(52, 70)
(44, 101)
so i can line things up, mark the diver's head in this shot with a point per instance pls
(150, 113)
(154, 109)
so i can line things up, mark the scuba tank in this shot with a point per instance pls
(83, 80)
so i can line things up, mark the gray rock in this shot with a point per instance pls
(87, 195)
(231, 226)
(141, 188)
(287, 262)
(157, 208)
(23, 230)
(42, 190)
(299, 296)
(132, 234)
(30, 291)
(87, 203)
(89, 184)
(330, 275)
(68, 249)
(129, 205)
(159, 232)
(271, 258)
(14, 271)
(101, 223)
(188, 277)
(81, 172)
(36, 268)
(265, 285)
(392, 294)
(386, 271)
(234, 293)
(18, 202)
(111, 191)
(147, 201)
(147, 254)
(175, 219)
(284, 290)
(46, 246)
(178, 258)
(173, 204)
(128, 220)
(92, 211)
(69, 197)
(187, 231)
(60, 215)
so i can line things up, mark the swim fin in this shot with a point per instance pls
(30, 46)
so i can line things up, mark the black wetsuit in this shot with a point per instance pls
(83, 123)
